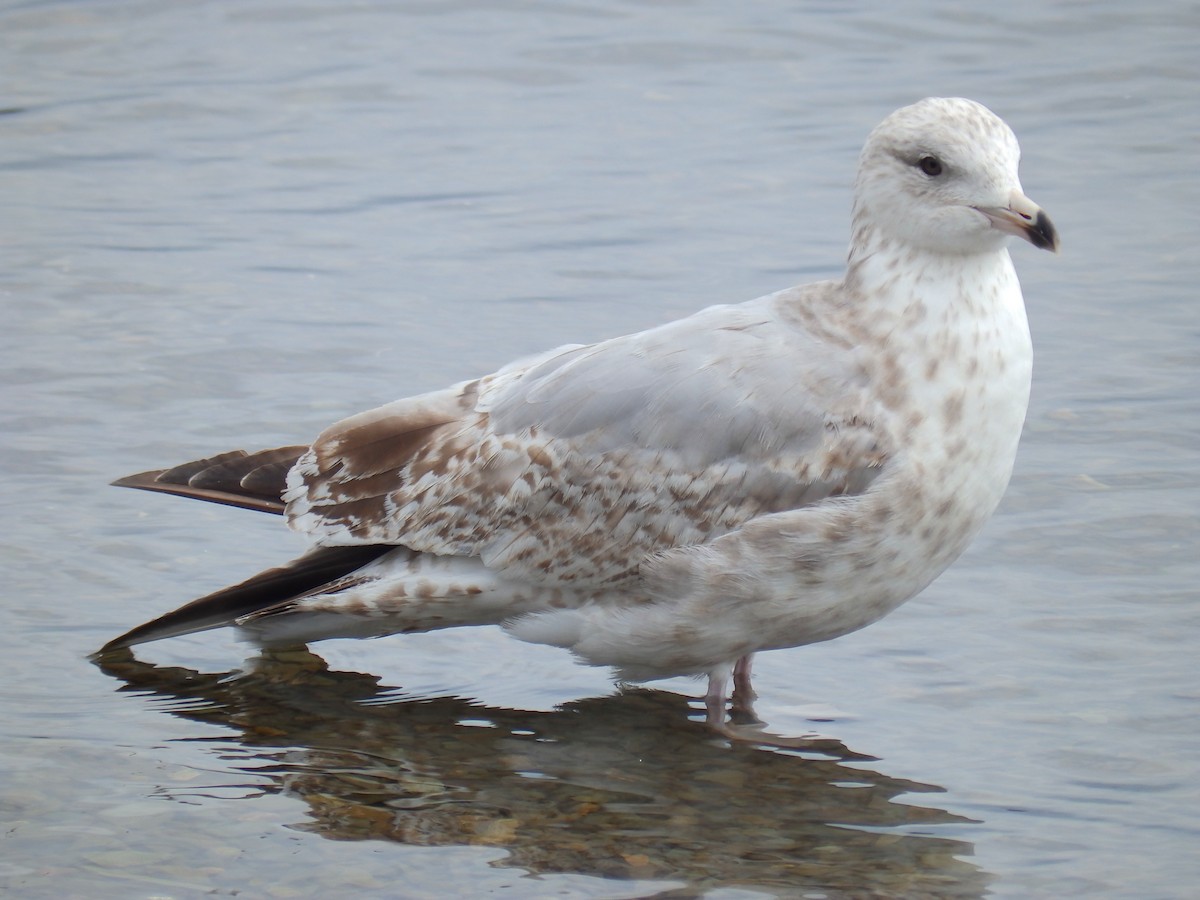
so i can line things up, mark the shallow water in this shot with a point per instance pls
(228, 225)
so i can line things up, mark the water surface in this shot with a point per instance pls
(230, 224)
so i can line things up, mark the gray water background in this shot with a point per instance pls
(227, 225)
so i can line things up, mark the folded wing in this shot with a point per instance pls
(572, 468)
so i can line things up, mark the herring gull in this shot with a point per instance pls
(670, 502)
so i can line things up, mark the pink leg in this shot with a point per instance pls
(741, 678)
(743, 690)
(714, 698)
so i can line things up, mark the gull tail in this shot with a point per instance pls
(273, 587)
(247, 480)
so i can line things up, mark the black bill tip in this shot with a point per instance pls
(1042, 233)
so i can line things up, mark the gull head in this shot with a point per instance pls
(940, 176)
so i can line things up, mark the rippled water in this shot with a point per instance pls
(230, 224)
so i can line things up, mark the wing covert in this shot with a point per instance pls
(575, 466)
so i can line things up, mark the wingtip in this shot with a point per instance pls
(144, 480)
(247, 480)
(271, 588)
(114, 650)
(125, 642)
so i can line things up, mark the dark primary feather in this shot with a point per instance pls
(315, 569)
(237, 478)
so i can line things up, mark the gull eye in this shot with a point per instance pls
(930, 165)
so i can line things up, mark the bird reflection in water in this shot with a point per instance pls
(622, 786)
